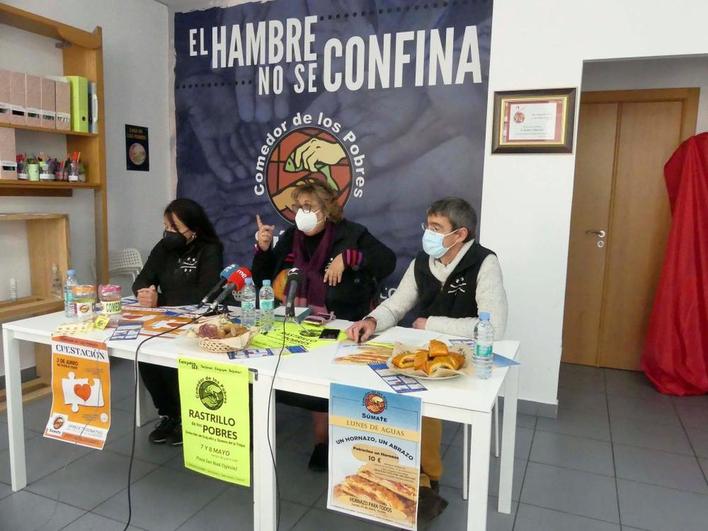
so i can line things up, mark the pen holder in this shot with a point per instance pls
(33, 171)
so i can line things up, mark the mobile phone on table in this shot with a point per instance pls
(329, 333)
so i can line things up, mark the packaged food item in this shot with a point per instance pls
(109, 296)
(84, 300)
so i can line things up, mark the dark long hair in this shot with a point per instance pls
(193, 216)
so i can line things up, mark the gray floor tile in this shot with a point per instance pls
(321, 520)
(24, 511)
(455, 515)
(531, 518)
(95, 522)
(522, 445)
(522, 420)
(583, 400)
(661, 509)
(453, 473)
(704, 466)
(629, 383)
(36, 414)
(693, 415)
(659, 468)
(5, 490)
(581, 377)
(309, 485)
(4, 440)
(652, 410)
(178, 495)
(90, 480)
(669, 438)
(578, 423)
(571, 491)
(699, 440)
(43, 457)
(572, 452)
(144, 449)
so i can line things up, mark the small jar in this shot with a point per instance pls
(84, 300)
(109, 296)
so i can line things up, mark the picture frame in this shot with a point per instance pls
(534, 121)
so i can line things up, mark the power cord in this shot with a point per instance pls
(135, 408)
(270, 443)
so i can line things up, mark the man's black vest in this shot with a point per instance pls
(457, 296)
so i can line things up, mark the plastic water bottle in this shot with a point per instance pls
(69, 307)
(248, 304)
(266, 299)
(484, 340)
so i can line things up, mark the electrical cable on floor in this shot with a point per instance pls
(135, 407)
(270, 443)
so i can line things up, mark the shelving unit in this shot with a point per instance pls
(82, 54)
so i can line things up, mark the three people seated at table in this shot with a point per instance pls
(447, 284)
(182, 267)
(341, 264)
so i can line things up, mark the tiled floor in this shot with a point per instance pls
(618, 457)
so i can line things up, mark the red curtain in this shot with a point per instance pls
(675, 356)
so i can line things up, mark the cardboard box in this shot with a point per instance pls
(63, 105)
(49, 103)
(18, 92)
(5, 86)
(33, 100)
(8, 156)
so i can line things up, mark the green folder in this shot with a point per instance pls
(79, 104)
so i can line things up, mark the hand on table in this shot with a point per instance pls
(147, 297)
(362, 330)
(333, 273)
(420, 323)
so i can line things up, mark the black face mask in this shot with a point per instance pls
(173, 241)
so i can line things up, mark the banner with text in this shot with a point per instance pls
(81, 392)
(215, 419)
(383, 100)
(374, 449)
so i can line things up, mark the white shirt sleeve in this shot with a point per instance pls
(403, 300)
(490, 297)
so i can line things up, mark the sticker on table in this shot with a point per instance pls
(126, 332)
(498, 360)
(215, 419)
(374, 448)
(251, 353)
(81, 392)
(398, 382)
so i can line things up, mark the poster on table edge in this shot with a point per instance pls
(215, 419)
(374, 455)
(81, 392)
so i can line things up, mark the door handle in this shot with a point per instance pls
(599, 233)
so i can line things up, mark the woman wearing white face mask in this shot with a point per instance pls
(341, 263)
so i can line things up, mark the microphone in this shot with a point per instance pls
(294, 279)
(223, 277)
(236, 281)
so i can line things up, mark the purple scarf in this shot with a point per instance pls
(312, 289)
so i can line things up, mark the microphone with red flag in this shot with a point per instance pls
(235, 282)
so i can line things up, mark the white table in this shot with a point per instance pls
(465, 400)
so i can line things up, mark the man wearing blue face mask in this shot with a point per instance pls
(448, 283)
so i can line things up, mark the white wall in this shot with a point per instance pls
(136, 89)
(527, 198)
(675, 72)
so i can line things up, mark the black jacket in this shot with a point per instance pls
(352, 297)
(183, 277)
(457, 297)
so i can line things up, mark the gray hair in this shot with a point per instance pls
(458, 211)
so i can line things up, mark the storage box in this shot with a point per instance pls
(8, 160)
(18, 92)
(49, 103)
(63, 105)
(33, 100)
(79, 103)
(5, 87)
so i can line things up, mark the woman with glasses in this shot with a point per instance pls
(180, 270)
(341, 263)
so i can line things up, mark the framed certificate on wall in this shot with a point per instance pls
(534, 121)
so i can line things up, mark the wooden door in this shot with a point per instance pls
(620, 220)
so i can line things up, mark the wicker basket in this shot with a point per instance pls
(227, 344)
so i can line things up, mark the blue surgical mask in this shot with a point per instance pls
(433, 243)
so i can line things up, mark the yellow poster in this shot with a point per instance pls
(215, 419)
(295, 334)
(81, 392)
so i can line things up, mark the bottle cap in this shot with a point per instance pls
(249, 281)
(266, 282)
(71, 272)
(484, 316)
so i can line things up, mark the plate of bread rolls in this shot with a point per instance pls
(434, 361)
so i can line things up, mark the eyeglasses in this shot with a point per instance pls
(305, 208)
(435, 229)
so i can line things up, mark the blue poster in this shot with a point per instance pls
(384, 100)
(374, 455)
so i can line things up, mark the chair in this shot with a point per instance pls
(125, 262)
